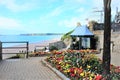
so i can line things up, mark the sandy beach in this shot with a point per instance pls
(32, 46)
(40, 45)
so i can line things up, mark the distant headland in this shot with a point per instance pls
(37, 34)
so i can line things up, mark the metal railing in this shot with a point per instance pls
(26, 46)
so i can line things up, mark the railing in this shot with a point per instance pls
(26, 47)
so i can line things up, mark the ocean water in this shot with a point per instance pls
(30, 39)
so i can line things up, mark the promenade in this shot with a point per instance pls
(115, 58)
(26, 69)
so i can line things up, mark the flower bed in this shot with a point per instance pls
(39, 53)
(81, 65)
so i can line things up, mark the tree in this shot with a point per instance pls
(91, 24)
(107, 37)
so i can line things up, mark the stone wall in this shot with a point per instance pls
(58, 44)
(115, 41)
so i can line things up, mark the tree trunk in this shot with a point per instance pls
(107, 37)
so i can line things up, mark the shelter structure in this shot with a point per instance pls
(83, 33)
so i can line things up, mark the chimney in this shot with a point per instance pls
(78, 24)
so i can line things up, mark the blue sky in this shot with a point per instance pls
(48, 16)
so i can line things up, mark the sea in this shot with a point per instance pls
(29, 38)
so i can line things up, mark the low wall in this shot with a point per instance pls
(58, 44)
(115, 43)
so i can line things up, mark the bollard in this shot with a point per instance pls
(27, 49)
(0, 50)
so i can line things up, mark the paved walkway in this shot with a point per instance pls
(26, 69)
(115, 58)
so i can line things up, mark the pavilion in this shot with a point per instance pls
(84, 35)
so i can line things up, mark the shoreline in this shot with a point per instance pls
(42, 44)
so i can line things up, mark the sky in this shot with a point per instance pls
(49, 16)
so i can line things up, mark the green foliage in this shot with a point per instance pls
(96, 38)
(20, 55)
(53, 48)
(14, 57)
(67, 35)
(17, 56)
(115, 76)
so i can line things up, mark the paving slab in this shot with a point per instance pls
(115, 58)
(26, 69)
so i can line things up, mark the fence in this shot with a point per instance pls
(26, 47)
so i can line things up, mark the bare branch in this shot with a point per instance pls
(108, 3)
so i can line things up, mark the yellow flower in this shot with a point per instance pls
(68, 70)
(90, 78)
(88, 66)
(65, 71)
(80, 67)
(62, 66)
(60, 62)
(75, 71)
(92, 75)
(82, 74)
(67, 65)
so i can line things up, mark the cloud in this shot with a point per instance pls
(25, 5)
(74, 2)
(115, 4)
(15, 6)
(71, 22)
(99, 6)
(97, 3)
(65, 7)
(8, 23)
(57, 11)
(81, 9)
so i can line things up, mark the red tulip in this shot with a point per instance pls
(79, 71)
(98, 77)
(58, 67)
(72, 70)
(117, 70)
(72, 74)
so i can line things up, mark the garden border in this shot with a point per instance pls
(62, 76)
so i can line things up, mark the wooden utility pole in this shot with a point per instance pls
(107, 37)
(101, 15)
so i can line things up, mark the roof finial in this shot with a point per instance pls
(116, 10)
(78, 24)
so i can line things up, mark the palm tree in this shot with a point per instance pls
(107, 37)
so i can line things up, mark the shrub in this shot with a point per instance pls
(51, 48)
